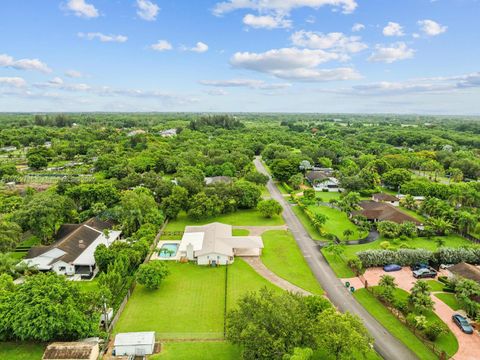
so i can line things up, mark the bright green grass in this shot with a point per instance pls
(190, 302)
(341, 269)
(241, 217)
(17, 255)
(21, 351)
(337, 222)
(198, 351)
(88, 286)
(393, 325)
(446, 342)
(327, 196)
(412, 213)
(307, 224)
(240, 232)
(243, 279)
(435, 285)
(282, 255)
(450, 300)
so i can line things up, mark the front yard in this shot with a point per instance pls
(198, 351)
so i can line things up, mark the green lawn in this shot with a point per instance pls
(327, 196)
(312, 231)
(341, 269)
(446, 342)
(240, 232)
(435, 285)
(21, 351)
(241, 217)
(88, 286)
(393, 325)
(198, 351)
(282, 255)
(450, 300)
(190, 302)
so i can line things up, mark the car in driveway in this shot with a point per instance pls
(424, 273)
(418, 266)
(462, 323)
(392, 267)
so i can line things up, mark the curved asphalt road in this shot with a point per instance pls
(385, 343)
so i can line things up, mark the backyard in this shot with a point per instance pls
(282, 255)
(21, 351)
(198, 351)
(190, 302)
(339, 264)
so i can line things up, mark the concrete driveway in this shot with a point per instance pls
(468, 345)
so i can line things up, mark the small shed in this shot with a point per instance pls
(71, 351)
(134, 343)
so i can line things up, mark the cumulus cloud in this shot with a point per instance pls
(200, 47)
(217, 92)
(249, 83)
(23, 64)
(161, 45)
(266, 21)
(391, 53)
(73, 74)
(335, 41)
(103, 37)
(358, 27)
(393, 29)
(16, 82)
(81, 9)
(431, 28)
(294, 64)
(281, 6)
(147, 10)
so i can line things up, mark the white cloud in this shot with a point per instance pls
(250, 83)
(56, 81)
(161, 45)
(391, 53)
(431, 28)
(358, 27)
(266, 21)
(217, 92)
(103, 37)
(200, 47)
(335, 41)
(294, 64)
(282, 7)
(23, 64)
(81, 9)
(393, 29)
(147, 10)
(16, 82)
(73, 74)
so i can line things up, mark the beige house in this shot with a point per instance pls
(214, 244)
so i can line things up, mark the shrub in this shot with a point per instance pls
(433, 330)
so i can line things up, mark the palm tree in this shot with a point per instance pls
(419, 297)
(319, 220)
(387, 287)
(347, 233)
(465, 221)
(336, 249)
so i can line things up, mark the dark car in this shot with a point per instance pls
(424, 273)
(462, 323)
(392, 267)
(418, 266)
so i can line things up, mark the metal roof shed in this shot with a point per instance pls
(134, 343)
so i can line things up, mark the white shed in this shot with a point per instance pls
(134, 343)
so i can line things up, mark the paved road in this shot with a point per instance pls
(385, 344)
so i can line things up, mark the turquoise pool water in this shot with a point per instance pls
(168, 250)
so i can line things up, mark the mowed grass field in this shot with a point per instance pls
(21, 351)
(282, 255)
(190, 302)
(198, 351)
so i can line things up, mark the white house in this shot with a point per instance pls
(322, 179)
(72, 254)
(168, 132)
(214, 244)
(134, 344)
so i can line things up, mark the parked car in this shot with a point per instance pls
(462, 323)
(418, 266)
(424, 273)
(445, 266)
(392, 267)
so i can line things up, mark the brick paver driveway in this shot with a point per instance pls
(468, 345)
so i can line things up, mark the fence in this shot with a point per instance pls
(471, 238)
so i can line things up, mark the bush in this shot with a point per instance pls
(433, 330)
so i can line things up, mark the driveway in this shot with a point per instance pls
(468, 345)
(386, 344)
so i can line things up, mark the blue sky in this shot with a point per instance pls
(368, 56)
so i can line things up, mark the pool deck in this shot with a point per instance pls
(155, 255)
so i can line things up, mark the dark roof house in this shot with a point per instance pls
(467, 271)
(379, 211)
(384, 197)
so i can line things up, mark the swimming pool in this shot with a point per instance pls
(168, 250)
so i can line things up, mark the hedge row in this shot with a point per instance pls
(406, 257)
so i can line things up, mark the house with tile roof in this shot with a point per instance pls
(72, 253)
(376, 211)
